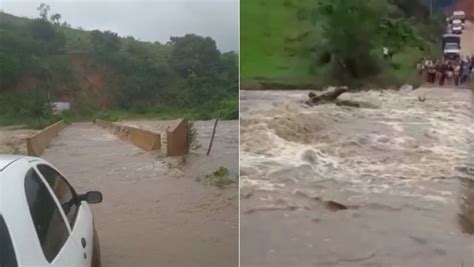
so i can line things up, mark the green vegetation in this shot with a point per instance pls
(30, 109)
(192, 142)
(103, 75)
(220, 178)
(286, 43)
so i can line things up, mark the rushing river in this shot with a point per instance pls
(389, 184)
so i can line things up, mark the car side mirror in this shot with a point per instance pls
(91, 197)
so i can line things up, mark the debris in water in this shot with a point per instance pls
(334, 206)
(326, 97)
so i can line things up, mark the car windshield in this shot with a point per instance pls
(451, 46)
(7, 253)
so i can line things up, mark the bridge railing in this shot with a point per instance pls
(141, 138)
(37, 143)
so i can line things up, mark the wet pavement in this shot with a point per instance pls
(149, 217)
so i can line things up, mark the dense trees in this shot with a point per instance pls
(355, 33)
(350, 34)
(25, 48)
(194, 55)
(194, 75)
(187, 74)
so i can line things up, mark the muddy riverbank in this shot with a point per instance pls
(13, 139)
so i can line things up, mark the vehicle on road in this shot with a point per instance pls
(43, 221)
(451, 45)
(457, 27)
(459, 15)
(452, 51)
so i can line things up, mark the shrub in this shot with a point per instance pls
(192, 142)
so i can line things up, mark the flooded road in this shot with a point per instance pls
(386, 185)
(13, 139)
(151, 215)
(224, 150)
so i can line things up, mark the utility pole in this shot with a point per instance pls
(431, 8)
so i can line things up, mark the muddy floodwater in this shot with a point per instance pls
(154, 211)
(13, 139)
(389, 184)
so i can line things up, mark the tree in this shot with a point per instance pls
(105, 42)
(42, 29)
(65, 24)
(350, 31)
(48, 38)
(43, 11)
(194, 55)
(413, 8)
(55, 18)
(9, 70)
(230, 66)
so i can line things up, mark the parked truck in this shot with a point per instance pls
(451, 45)
(460, 15)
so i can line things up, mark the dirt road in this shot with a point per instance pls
(148, 217)
(467, 40)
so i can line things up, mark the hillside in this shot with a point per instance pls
(273, 40)
(44, 60)
(283, 42)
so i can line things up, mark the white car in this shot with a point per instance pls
(457, 27)
(43, 221)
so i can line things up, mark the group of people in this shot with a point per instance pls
(447, 71)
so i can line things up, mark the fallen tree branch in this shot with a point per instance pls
(326, 97)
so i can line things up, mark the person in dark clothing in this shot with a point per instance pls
(443, 69)
(437, 69)
(465, 73)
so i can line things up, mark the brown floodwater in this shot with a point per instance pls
(154, 211)
(386, 185)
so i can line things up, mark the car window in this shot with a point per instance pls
(63, 192)
(48, 222)
(7, 253)
(451, 46)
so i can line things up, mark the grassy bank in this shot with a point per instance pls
(228, 110)
(273, 42)
(228, 113)
(285, 45)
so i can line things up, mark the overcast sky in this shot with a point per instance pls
(147, 20)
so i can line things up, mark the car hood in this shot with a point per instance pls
(6, 160)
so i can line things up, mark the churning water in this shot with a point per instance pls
(397, 171)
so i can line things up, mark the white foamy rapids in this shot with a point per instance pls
(395, 143)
